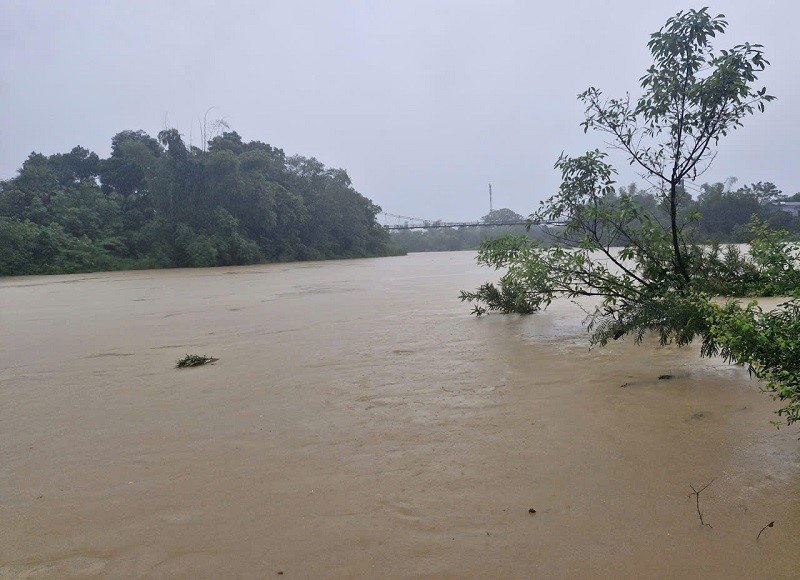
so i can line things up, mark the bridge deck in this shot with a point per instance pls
(434, 225)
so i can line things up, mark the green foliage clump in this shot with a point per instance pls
(195, 360)
(769, 267)
(768, 343)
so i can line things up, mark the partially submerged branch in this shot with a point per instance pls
(769, 525)
(696, 493)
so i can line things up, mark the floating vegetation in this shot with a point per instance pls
(195, 360)
(665, 377)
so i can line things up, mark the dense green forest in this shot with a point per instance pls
(157, 203)
(721, 212)
(714, 212)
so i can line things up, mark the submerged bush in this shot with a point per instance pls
(195, 360)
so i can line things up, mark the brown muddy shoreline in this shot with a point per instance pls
(360, 423)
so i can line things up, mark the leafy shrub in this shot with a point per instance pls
(768, 343)
(195, 360)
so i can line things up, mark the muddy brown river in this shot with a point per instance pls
(360, 423)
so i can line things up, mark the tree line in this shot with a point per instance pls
(717, 212)
(157, 203)
(721, 212)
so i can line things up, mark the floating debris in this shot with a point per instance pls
(769, 525)
(195, 360)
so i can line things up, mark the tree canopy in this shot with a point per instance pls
(158, 203)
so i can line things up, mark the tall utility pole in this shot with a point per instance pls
(490, 198)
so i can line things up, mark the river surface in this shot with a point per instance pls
(360, 423)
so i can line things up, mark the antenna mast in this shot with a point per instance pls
(490, 198)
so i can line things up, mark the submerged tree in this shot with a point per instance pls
(693, 96)
(641, 261)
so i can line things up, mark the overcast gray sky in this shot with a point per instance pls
(423, 103)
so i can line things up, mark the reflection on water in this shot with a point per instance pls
(361, 423)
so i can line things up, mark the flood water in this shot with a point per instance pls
(360, 423)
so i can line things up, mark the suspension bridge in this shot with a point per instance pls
(402, 222)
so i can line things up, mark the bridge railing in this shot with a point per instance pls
(478, 224)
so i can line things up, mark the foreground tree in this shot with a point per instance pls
(651, 276)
